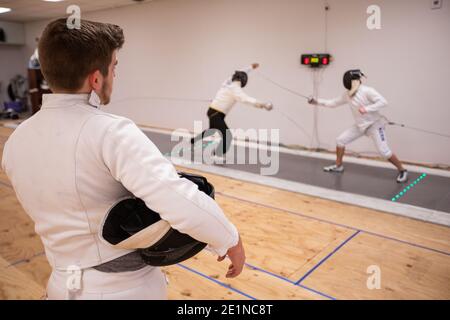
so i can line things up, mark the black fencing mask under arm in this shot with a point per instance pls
(240, 76)
(131, 225)
(350, 78)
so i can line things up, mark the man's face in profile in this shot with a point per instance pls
(108, 81)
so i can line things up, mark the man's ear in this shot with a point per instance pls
(95, 80)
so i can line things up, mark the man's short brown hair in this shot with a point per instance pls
(68, 56)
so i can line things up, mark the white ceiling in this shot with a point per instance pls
(31, 10)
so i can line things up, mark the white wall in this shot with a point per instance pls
(11, 64)
(12, 56)
(14, 32)
(186, 48)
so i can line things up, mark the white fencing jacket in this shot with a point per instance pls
(71, 162)
(230, 93)
(366, 97)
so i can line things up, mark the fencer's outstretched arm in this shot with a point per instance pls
(333, 103)
(241, 96)
(249, 68)
(378, 101)
(136, 162)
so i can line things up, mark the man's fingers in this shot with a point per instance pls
(234, 271)
(236, 255)
(231, 272)
(221, 258)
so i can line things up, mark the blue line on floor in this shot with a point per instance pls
(315, 291)
(269, 273)
(336, 224)
(290, 281)
(27, 260)
(327, 257)
(217, 281)
(406, 242)
(288, 211)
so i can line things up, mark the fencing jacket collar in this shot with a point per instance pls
(62, 100)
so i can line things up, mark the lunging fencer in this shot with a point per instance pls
(106, 203)
(228, 95)
(365, 103)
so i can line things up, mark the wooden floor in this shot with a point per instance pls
(298, 247)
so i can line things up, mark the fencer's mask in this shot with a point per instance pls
(352, 81)
(240, 76)
(130, 224)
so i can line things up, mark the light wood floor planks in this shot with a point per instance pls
(288, 237)
(15, 285)
(406, 272)
(388, 225)
(280, 242)
(18, 240)
(255, 283)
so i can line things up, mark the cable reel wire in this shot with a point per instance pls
(392, 123)
(389, 122)
(295, 123)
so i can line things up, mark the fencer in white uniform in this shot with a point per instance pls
(227, 96)
(71, 161)
(231, 92)
(365, 104)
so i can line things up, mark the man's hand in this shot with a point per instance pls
(237, 257)
(362, 110)
(255, 65)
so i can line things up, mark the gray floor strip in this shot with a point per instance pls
(366, 186)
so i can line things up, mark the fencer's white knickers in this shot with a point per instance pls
(148, 283)
(376, 132)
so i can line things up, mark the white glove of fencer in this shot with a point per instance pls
(268, 106)
(312, 101)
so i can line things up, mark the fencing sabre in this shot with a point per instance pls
(281, 86)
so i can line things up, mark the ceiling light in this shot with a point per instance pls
(3, 10)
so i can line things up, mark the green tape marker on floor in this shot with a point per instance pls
(409, 188)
